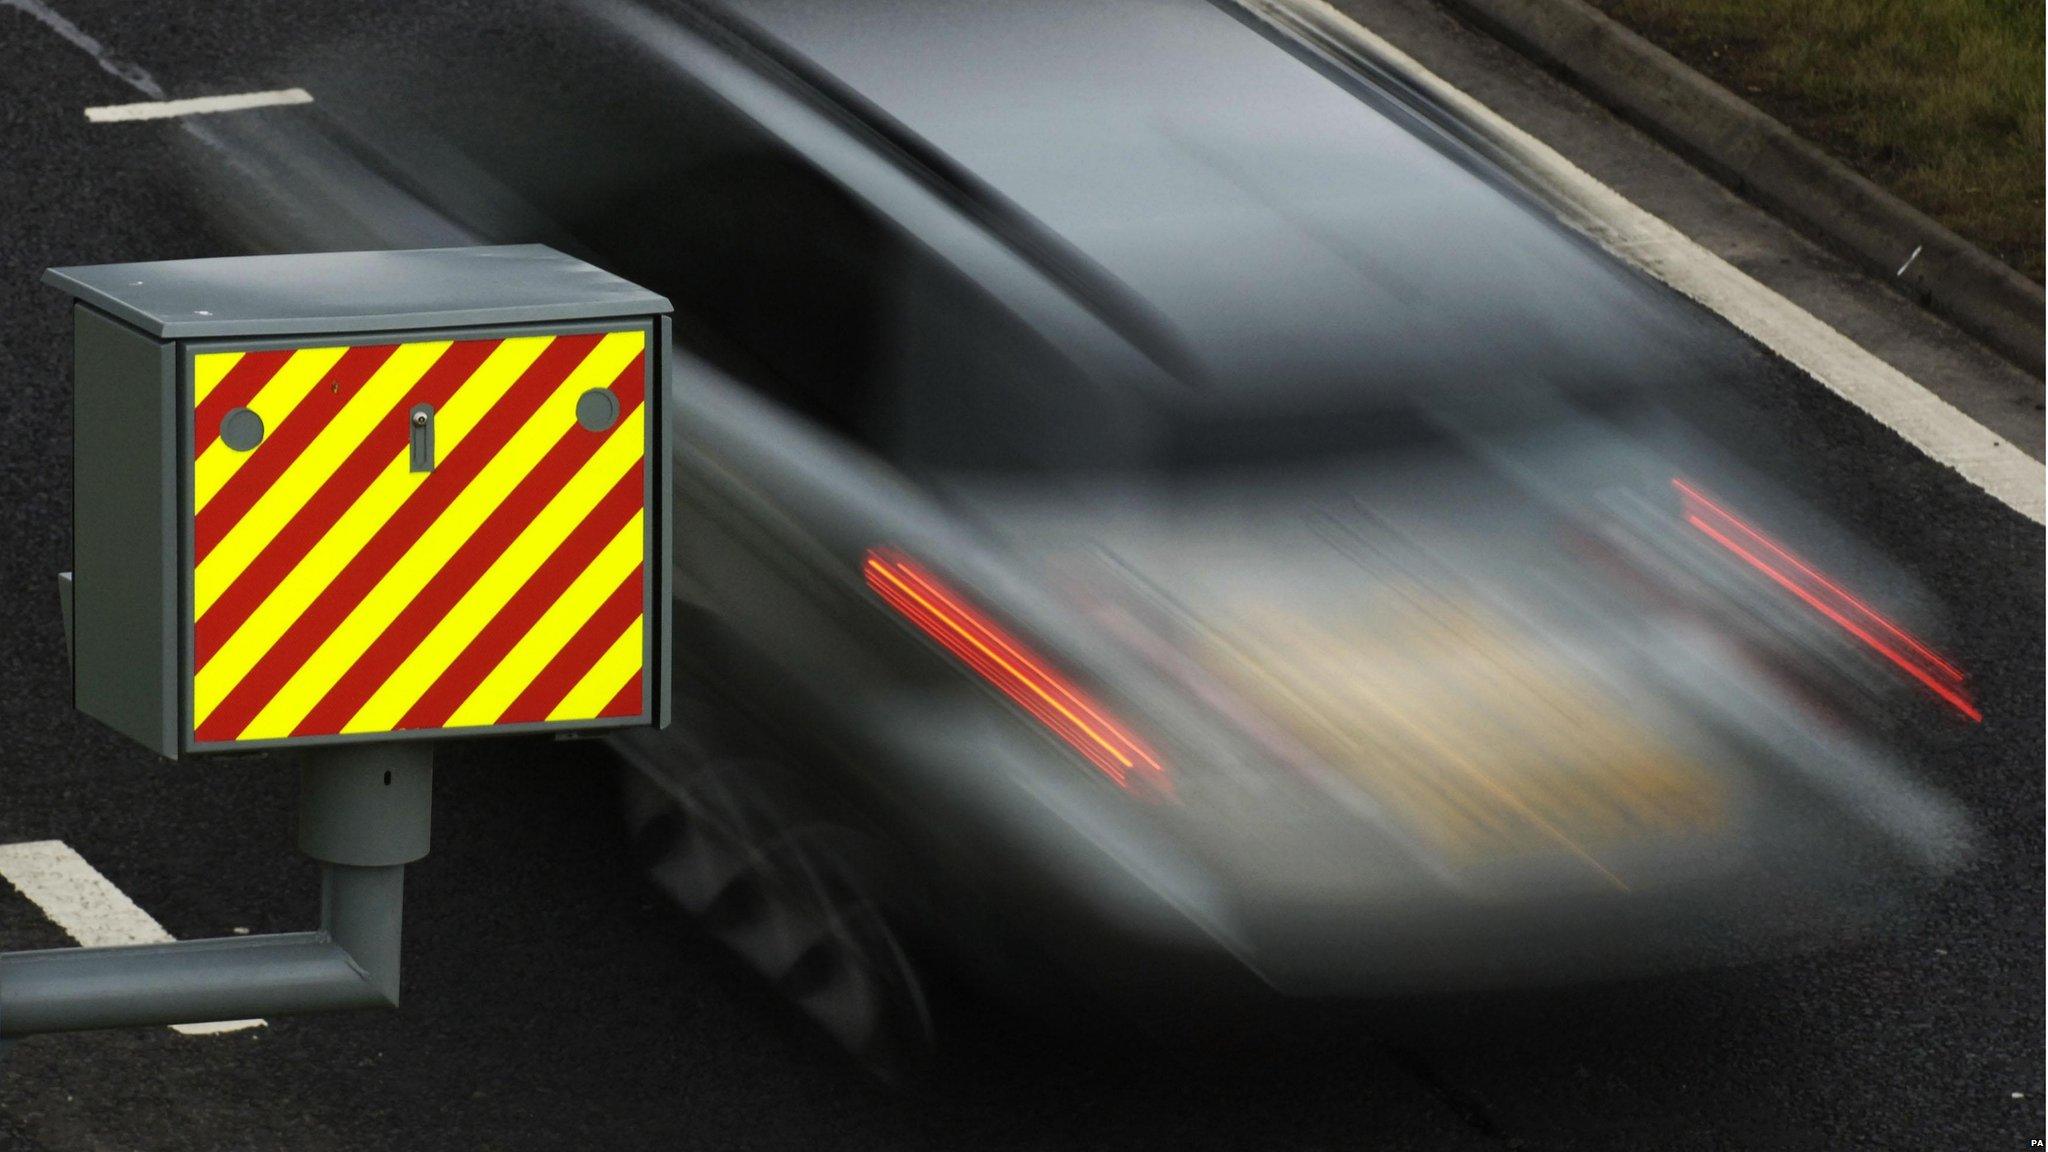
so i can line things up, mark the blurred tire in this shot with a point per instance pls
(736, 843)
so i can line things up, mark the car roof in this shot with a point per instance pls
(1284, 228)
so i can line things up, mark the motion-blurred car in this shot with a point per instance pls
(1162, 512)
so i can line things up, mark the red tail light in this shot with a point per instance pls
(1826, 597)
(1012, 668)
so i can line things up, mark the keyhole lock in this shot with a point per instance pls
(422, 431)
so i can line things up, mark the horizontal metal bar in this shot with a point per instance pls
(352, 962)
(71, 989)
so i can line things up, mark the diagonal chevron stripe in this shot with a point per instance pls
(525, 608)
(295, 406)
(558, 650)
(334, 570)
(573, 655)
(208, 369)
(223, 548)
(532, 524)
(275, 401)
(531, 527)
(620, 662)
(452, 502)
(375, 614)
(631, 700)
(529, 658)
(236, 383)
(336, 590)
(386, 443)
(626, 549)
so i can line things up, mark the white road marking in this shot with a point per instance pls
(127, 71)
(1921, 418)
(88, 907)
(197, 106)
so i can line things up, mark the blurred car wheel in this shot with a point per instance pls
(783, 887)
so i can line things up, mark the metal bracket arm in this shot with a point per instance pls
(364, 812)
(351, 962)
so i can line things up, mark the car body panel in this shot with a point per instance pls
(954, 281)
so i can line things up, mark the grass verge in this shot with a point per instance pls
(1938, 101)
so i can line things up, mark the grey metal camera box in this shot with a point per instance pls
(368, 496)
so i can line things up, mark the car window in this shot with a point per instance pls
(840, 315)
(782, 277)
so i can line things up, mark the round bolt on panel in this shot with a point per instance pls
(597, 409)
(241, 429)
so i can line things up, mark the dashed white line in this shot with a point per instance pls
(197, 106)
(127, 71)
(1921, 418)
(88, 907)
(157, 107)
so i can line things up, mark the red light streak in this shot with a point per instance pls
(1816, 591)
(1695, 495)
(1008, 665)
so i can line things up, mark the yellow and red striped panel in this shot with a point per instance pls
(337, 591)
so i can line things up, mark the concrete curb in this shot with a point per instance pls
(1765, 161)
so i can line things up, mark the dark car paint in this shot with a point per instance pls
(925, 301)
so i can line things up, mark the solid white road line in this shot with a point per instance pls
(197, 106)
(88, 907)
(1923, 419)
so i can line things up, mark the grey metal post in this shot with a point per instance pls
(364, 812)
(366, 804)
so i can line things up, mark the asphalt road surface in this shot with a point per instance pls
(552, 1001)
